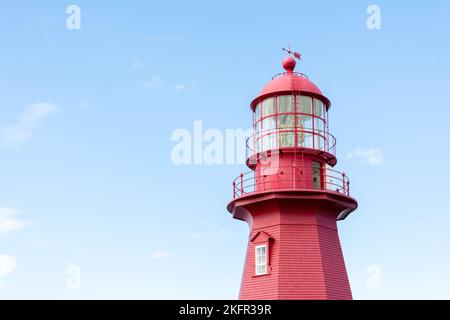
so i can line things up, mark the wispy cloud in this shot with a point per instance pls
(153, 38)
(137, 64)
(154, 83)
(161, 254)
(9, 221)
(22, 131)
(212, 233)
(7, 265)
(82, 105)
(196, 235)
(218, 234)
(179, 87)
(372, 156)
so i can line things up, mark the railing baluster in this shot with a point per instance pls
(242, 183)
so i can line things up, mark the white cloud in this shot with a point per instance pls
(137, 64)
(153, 38)
(82, 105)
(179, 87)
(7, 264)
(218, 234)
(196, 235)
(9, 221)
(22, 131)
(373, 156)
(161, 254)
(154, 83)
(195, 83)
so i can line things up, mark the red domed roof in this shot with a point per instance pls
(290, 81)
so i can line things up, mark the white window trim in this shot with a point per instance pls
(264, 264)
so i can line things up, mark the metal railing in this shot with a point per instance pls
(290, 137)
(297, 74)
(291, 178)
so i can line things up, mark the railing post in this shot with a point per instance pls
(242, 183)
(348, 188)
(343, 182)
(234, 189)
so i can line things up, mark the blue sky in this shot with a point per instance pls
(86, 117)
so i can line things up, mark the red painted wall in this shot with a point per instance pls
(305, 257)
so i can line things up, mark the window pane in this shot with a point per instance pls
(260, 260)
(269, 124)
(319, 125)
(286, 121)
(258, 112)
(258, 127)
(269, 142)
(305, 105)
(304, 139)
(304, 122)
(318, 108)
(286, 139)
(258, 144)
(268, 107)
(319, 142)
(284, 104)
(319, 134)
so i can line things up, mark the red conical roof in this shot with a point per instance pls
(288, 82)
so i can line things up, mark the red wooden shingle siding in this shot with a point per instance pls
(306, 262)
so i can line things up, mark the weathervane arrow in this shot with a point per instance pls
(294, 53)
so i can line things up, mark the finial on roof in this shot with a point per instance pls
(289, 62)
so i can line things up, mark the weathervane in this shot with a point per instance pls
(294, 53)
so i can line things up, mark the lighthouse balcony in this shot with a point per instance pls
(295, 178)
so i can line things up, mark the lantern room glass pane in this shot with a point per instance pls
(269, 124)
(319, 142)
(258, 143)
(268, 107)
(286, 139)
(305, 105)
(258, 112)
(304, 122)
(286, 121)
(284, 104)
(318, 108)
(319, 134)
(304, 139)
(319, 125)
(258, 127)
(269, 142)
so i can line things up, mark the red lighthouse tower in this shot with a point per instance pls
(292, 197)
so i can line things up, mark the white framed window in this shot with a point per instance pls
(261, 259)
